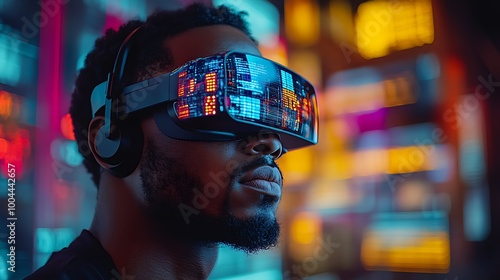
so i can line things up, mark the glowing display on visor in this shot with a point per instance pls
(249, 89)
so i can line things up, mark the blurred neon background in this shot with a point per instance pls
(402, 184)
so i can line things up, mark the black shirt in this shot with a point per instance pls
(84, 258)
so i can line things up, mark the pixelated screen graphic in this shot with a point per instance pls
(249, 89)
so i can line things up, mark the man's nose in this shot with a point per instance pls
(264, 144)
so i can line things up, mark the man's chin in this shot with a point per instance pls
(249, 234)
(252, 234)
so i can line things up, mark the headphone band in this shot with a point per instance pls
(114, 83)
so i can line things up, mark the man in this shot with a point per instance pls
(183, 184)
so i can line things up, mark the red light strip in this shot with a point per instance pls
(181, 85)
(48, 114)
(191, 85)
(183, 111)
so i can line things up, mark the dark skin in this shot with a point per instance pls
(149, 252)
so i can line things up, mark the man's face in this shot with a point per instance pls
(212, 191)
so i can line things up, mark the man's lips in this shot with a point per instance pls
(264, 179)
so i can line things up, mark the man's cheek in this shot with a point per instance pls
(209, 198)
(244, 198)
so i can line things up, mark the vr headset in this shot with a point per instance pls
(224, 97)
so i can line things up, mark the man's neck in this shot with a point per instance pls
(137, 249)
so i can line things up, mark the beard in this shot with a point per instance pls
(169, 191)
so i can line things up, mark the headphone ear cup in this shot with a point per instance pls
(123, 151)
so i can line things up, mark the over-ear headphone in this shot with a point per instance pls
(118, 145)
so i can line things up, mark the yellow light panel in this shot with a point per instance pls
(302, 21)
(397, 160)
(296, 166)
(406, 251)
(383, 26)
(412, 159)
(337, 165)
(306, 227)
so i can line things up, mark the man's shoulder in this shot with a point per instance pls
(84, 258)
(77, 268)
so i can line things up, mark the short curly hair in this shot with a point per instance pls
(150, 60)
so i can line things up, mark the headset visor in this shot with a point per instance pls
(226, 96)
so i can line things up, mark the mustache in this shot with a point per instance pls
(258, 162)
